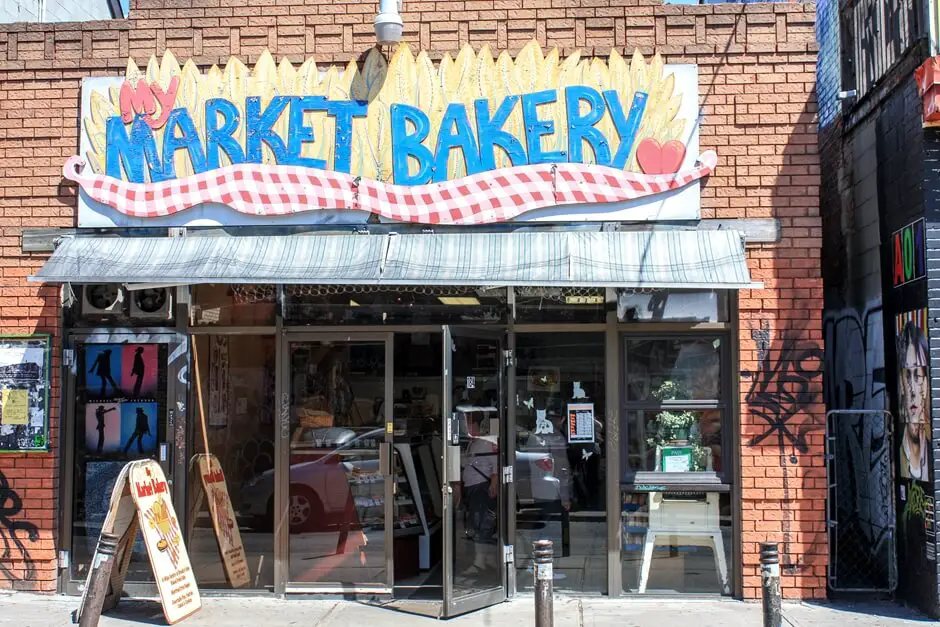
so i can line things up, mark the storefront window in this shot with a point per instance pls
(559, 469)
(237, 377)
(676, 542)
(672, 306)
(234, 305)
(120, 415)
(377, 305)
(560, 305)
(674, 405)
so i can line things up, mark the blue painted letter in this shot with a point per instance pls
(258, 129)
(131, 152)
(627, 127)
(492, 134)
(189, 139)
(536, 128)
(344, 111)
(581, 127)
(299, 134)
(221, 136)
(455, 132)
(405, 144)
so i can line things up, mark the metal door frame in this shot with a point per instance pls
(453, 605)
(282, 583)
(176, 429)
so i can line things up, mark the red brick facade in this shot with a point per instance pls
(756, 68)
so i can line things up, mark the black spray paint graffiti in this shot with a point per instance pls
(780, 392)
(14, 532)
(860, 476)
(855, 358)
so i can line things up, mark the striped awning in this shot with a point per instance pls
(665, 259)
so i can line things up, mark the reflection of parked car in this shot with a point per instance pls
(324, 459)
(319, 488)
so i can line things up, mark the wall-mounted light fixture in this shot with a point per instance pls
(388, 23)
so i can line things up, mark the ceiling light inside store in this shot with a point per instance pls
(584, 300)
(458, 300)
(353, 303)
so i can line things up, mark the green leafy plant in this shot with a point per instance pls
(677, 427)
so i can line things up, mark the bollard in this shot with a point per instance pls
(770, 582)
(542, 553)
(99, 581)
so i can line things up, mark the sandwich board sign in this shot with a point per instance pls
(223, 520)
(141, 500)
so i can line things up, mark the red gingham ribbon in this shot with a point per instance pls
(487, 197)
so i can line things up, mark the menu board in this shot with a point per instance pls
(580, 422)
(179, 593)
(223, 521)
(24, 393)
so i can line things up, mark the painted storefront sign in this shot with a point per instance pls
(909, 253)
(473, 139)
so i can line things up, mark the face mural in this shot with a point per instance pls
(914, 395)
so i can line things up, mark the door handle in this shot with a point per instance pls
(385, 459)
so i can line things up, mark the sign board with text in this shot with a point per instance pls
(223, 520)
(470, 140)
(141, 500)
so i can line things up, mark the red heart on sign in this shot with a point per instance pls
(654, 158)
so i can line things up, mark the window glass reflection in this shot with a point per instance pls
(237, 375)
(674, 440)
(559, 468)
(676, 542)
(673, 369)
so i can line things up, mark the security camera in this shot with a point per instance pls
(388, 23)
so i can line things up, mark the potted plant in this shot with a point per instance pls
(677, 427)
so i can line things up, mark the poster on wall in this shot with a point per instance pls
(24, 393)
(914, 458)
(596, 138)
(219, 399)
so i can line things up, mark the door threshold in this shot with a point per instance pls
(429, 608)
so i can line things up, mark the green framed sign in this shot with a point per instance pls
(676, 459)
(24, 393)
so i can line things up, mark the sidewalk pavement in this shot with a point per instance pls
(28, 610)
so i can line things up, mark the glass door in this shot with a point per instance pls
(473, 489)
(338, 496)
(122, 389)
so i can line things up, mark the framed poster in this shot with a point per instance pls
(24, 393)
(580, 422)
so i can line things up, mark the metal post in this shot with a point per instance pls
(99, 581)
(770, 582)
(542, 553)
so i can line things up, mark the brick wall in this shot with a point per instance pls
(756, 78)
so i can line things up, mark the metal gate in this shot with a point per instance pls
(860, 511)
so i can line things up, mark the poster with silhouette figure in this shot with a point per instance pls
(103, 371)
(139, 370)
(138, 428)
(103, 428)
